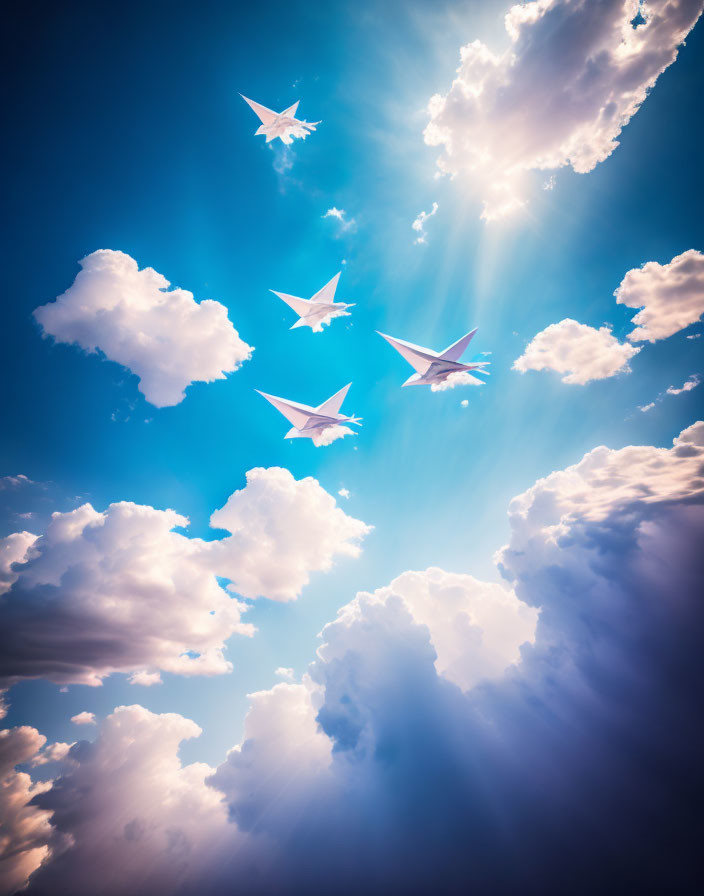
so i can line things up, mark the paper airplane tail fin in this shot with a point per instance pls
(301, 322)
(413, 380)
(454, 352)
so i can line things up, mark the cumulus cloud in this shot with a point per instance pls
(84, 718)
(464, 403)
(26, 837)
(163, 336)
(574, 74)
(121, 591)
(14, 551)
(419, 224)
(340, 215)
(670, 296)
(446, 723)
(136, 816)
(580, 352)
(461, 378)
(282, 530)
(476, 628)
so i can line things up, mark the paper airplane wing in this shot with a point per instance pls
(291, 111)
(298, 414)
(332, 405)
(302, 307)
(455, 351)
(326, 295)
(266, 116)
(419, 358)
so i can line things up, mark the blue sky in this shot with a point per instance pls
(130, 135)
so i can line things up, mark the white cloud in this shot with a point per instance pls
(26, 837)
(344, 493)
(120, 591)
(464, 403)
(461, 378)
(476, 628)
(331, 434)
(694, 336)
(14, 551)
(145, 679)
(671, 296)
(14, 481)
(84, 718)
(163, 336)
(136, 816)
(549, 183)
(580, 352)
(574, 74)
(423, 713)
(282, 530)
(346, 223)
(285, 672)
(690, 384)
(419, 224)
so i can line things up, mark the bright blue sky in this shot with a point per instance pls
(135, 138)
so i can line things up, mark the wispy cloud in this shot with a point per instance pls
(339, 214)
(687, 386)
(419, 224)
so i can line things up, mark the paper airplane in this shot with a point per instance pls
(283, 125)
(435, 367)
(319, 310)
(312, 423)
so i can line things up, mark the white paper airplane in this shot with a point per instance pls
(435, 367)
(319, 310)
(283, 125)
(311, 423)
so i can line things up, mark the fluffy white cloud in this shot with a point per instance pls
(26, 837)
(344, 493)
(419, 224)
(671, 296)
(84, 718)
(136, 816)
(580, 352)
(422, 729)
(603, 484)
(117, 591)
(121, 591)
(269, 777)
(163, 336)
(573, 75)
(14, 550)
(476, 628)
(461, 378)
(282, 530)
